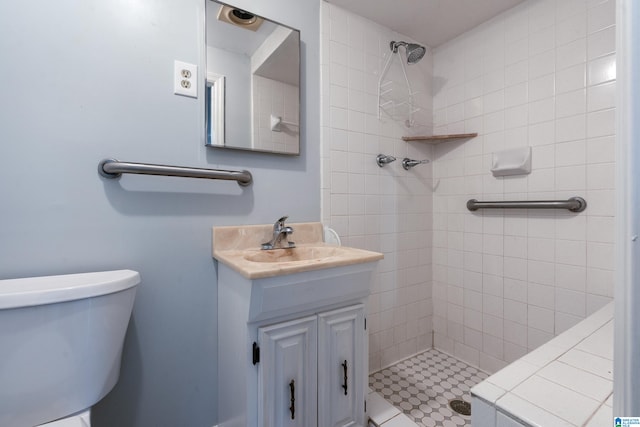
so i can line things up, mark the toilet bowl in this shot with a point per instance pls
(61, 348)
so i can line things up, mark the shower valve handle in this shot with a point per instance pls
(408, 163)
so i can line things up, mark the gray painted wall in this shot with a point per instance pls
(85, 80)
(237, 91)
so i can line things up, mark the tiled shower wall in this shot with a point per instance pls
(540, 75)
(272, 97)
(383, 209)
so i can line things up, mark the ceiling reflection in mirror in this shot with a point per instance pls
(252, 82)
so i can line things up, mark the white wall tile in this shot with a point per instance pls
(541, 87)
(493, 81)
(552, 397)
(571, 277)
(601, 202)
(571, 103)
(516, 94)
(601, 70)
(544, 63)
(542, 110)
(515, 332)
(568, 8)
(537, 337)
(570, 153)
(363, 202)
(539, 227)
(516, 25)
(601, 96)
(515, 290)
(545, 79)
(571, 252)
(544, 156)
(571, 29)
(516, 73)
(601, 150)
(515, 268)
(602, 416)
(571, 128)
(600, 255)
(601, 176)
(571, 78)
(511, 403)
(540, 296)
(541, 41)
(339, 53)
(601, 43)
(571, 54)
(566, 321)
(570, 302)
(541, 249)
(600, 229)
(541, 180)
(571, 178)
(570, 227)
(601, 123)
(602, 16)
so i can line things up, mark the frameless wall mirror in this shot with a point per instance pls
(252, 82)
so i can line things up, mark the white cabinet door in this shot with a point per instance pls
(287, 374)
(341, 367)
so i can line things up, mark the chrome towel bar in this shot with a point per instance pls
(112, 168)
(574, 204)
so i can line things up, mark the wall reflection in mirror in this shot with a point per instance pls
(252, 82)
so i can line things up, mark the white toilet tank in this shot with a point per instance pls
(61, 343)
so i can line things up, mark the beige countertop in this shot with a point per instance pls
(239, 247)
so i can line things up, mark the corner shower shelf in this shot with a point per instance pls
(437, 139)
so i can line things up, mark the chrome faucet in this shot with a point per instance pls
(280, 239)
(383, 159)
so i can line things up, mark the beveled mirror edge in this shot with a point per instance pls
(205, 111)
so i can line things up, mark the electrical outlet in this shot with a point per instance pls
(185, 79)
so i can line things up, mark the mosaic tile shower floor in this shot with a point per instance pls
(423, 385)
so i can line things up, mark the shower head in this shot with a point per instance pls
(414, 51)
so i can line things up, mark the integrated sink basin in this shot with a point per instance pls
(298, 254)
(239, 249)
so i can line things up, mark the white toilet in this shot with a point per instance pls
(60, 345)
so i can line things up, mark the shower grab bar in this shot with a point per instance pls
(112, 168)
(574, 204)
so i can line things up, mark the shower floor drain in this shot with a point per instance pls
(460, 406)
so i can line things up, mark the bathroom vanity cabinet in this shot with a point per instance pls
(293, 349)
(292, 339)
(313, 366)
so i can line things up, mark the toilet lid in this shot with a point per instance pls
(31, 291)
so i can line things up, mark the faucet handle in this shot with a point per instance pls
(279, 224)
(408, 163)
